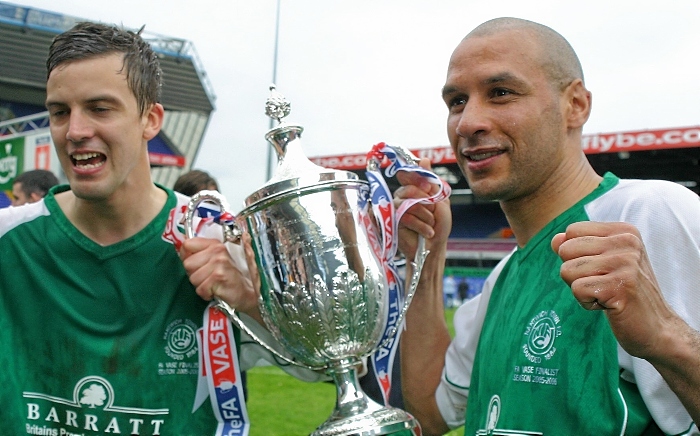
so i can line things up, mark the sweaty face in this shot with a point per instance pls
(505, 121)
(99, 134)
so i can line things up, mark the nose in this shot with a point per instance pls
(472, 120)
(79, 127)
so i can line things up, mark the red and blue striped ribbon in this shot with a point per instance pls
(223, 374)
(385, 245)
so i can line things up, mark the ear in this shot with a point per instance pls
(578, 104)
(154, 121)
(34, 197)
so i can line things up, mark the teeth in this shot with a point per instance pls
(482, 156)
(84, 156)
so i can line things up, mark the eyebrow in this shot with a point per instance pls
(448, 90)
(504, 77)
(98, 99)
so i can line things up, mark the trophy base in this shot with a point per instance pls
(384, 421)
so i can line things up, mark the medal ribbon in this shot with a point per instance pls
(219, 369)
(386, 245)
(223, 374)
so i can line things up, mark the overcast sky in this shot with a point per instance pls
(364, 71)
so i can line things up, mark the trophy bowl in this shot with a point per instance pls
(321, 288)
(323, 294)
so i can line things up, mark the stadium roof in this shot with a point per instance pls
(26, 33)
(187, 96)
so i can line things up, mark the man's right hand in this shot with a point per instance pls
(215, 273)
(432, 221)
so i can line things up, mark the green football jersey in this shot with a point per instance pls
(529, 360)
(96, 340)
(564, 355)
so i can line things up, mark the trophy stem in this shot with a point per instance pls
(356, 414)
(351, 400)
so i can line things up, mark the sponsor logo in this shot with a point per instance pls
(92, 409)
(351, 161)
(645, 140)
(8, 165)
(595, 143)
(493, 413)
(437, 155)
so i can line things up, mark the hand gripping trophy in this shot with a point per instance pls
(324, 276)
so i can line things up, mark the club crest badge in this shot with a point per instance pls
(181, 339)
(541, 334)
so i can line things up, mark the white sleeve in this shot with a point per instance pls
(453, 390)
(668, 218)
(12, 216)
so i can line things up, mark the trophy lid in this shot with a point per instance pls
(294, 173)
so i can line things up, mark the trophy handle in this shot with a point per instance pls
(402, 159)
(417, 267)
(232, 233)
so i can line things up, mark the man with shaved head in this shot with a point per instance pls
(590, 326)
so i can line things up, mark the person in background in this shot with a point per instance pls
(463, 290)
(590, 326)
(98, 316)
(449, 289)
(194, 181)
(31, 186)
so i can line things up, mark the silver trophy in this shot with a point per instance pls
(323, 291)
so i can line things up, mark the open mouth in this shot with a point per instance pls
(88, 161)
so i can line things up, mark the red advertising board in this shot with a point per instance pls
(166, 159)
(680, 137)
(641, 140)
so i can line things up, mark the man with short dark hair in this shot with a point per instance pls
(194, 181)
(31, 186)
(98, 318)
